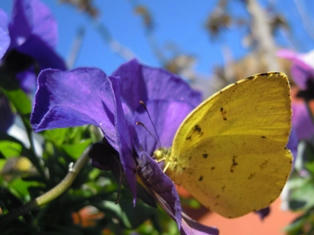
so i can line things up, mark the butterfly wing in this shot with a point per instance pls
(230, 152)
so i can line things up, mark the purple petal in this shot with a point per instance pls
(105, 157)
(125, 138)
(302, 121)
(78, 97)
(160, 185)
(287, 54)
(31, 17)
(166, 118)
(141, 82)
(4, 34)
(191, 227)
(27, 80)
(301, 70)
(84, 96)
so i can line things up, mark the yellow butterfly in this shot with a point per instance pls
(230, 152)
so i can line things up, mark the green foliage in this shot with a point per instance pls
(301, 191)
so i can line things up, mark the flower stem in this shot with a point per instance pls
(52, 193)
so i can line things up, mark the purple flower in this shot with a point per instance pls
(26, 46)
(302, 68)
(302, 71)
(27, 41)
(138, 109)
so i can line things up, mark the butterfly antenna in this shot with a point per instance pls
(151, 120)
(142, 124)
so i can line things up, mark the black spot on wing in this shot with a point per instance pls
(213, 168)
(263, 137)
(251, 176)
(265, 74)
(205, 155)
(197, 129)
(250, 77)
(263, 164)
(223, 113)
(234, 163)
(200, 178)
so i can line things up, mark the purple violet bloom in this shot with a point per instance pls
(302, 71)
(27, 41)
(27, 44)
(138, 109)
(302, 68)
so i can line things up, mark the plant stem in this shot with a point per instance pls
(52, 193)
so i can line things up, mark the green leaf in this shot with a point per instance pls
(301, 224)
(303, 196)
(76, 150)
(57, 136)
(11, 88)
(310, 167)
(138, 214)
(20, 101)
(10, 148)
(20, 187)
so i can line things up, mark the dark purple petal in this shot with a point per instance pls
(125, 138)
(78, 97)
(302, 121)
(4, 34)
(20, 26)
(31, 17)
(44, 55)
(7, 116)
(263, 213)
(191, 227)
(160, 185)
(27, 80)
(105, 157)
(141, 82)
(166, 118)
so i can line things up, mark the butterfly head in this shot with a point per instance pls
(162, 154)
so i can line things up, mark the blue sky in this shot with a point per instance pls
(177, 21)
